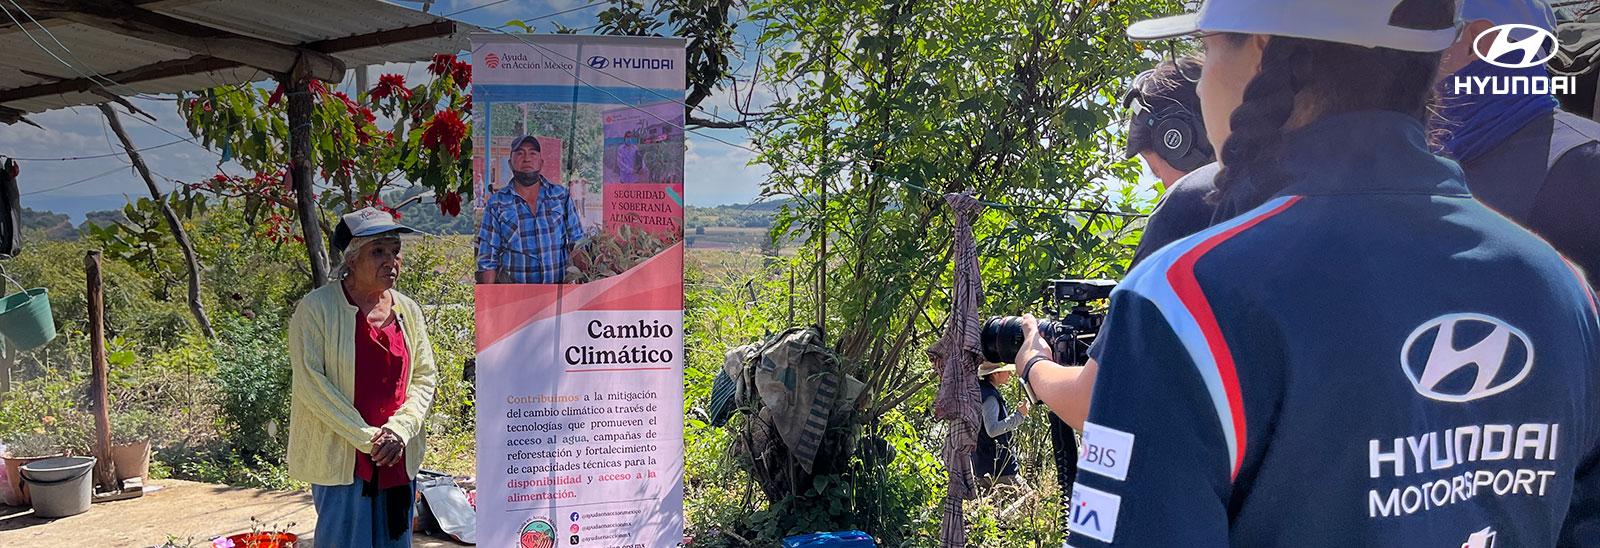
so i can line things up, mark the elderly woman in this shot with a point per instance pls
(363, 381)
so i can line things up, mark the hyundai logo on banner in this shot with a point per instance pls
(601, 62)
(1464, 357)
(1515, 46)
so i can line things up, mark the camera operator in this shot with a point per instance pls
(1167, 130)
(1360, 275)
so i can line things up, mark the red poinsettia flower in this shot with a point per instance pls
(441, 64)
(450, 204)
(277, 95)
(445, 129)
(461, 72)
(348, 104)
(317, 87)
(390, 84)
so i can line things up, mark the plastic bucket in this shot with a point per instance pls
(25, 318)
(60, 486)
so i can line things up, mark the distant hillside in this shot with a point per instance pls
(56, 226)
(752, 215)
(424, 214)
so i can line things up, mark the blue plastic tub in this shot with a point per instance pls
(842, 539)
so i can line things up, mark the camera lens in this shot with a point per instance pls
(1001, 338)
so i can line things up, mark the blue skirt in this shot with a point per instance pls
(345, 519)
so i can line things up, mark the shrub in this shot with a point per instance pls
(136, 426)
(252, 382)
(48, 414)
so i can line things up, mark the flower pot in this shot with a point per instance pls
(131, 459)
(14, 474)
(265, 539)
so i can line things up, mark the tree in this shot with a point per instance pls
(884, 106)
(707, 26)
(422, 144)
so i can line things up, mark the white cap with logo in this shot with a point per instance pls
(366, 222)
(1357, 22)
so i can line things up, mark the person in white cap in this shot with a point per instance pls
(363, 379)
(1364, 355)
(993, 460)
(1524, 157)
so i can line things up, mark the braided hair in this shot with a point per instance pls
(1303, 80)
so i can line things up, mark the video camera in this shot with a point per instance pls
(1069, 335)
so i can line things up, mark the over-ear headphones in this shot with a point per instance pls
(1173, 128)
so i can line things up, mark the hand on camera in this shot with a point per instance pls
(1032, 345)
(1024, 407)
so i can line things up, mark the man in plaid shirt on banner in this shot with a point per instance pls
(529, 226)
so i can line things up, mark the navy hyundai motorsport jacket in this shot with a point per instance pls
(1372, 358)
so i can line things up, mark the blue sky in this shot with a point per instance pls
(716, 173)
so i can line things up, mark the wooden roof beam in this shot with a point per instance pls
(202, 64)
(130, 20)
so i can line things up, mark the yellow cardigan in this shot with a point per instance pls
(325, 430)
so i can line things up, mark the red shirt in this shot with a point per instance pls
(383, 367)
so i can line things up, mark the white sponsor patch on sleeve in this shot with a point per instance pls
(1094, 513)
(1106, 451)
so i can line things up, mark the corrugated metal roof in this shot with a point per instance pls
(288, 22)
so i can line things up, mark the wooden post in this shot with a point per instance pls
(105, 472)
(300, 170)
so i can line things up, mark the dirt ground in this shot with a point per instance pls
(181, 508)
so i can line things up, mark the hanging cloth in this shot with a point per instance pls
(955, 357)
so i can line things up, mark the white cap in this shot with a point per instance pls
(1358, 22)
(365, 222)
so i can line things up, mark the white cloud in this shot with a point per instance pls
(717, 174)
(25, 141)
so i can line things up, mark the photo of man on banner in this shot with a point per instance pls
(629, 163)
(530, 226)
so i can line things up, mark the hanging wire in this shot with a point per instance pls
(545, 16)
(77, 182)
(97, 156)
